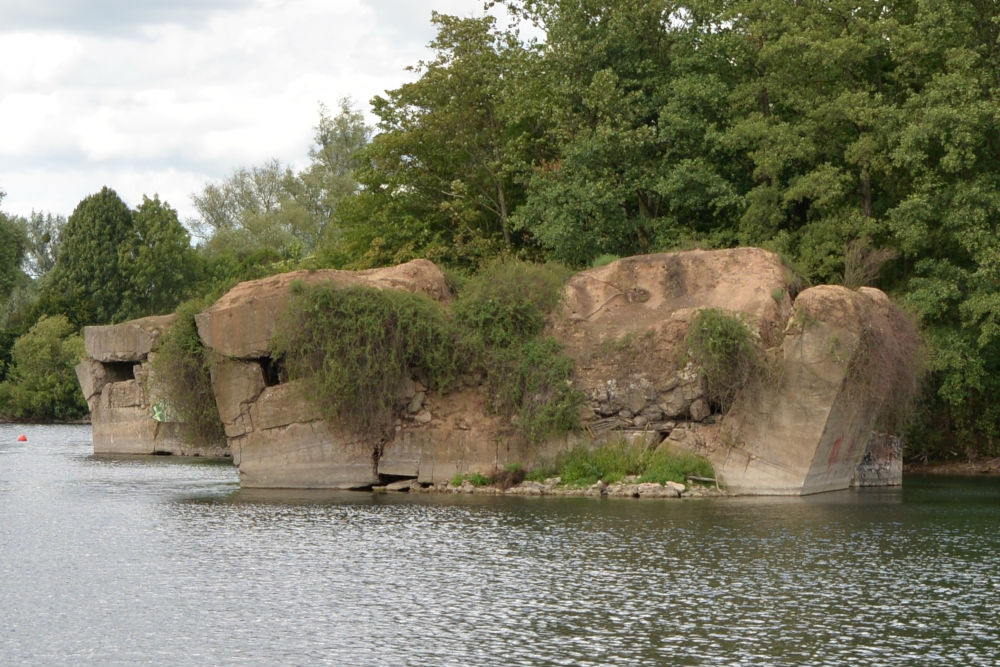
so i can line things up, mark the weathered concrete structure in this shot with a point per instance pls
(115, 381)
(279, 439)
(802, 427)
(807, 428)
(882, 463)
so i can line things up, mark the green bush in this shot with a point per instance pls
(533, 381)
(724, 349)
(475, 478)
(508, 301)
(665, 467)
(500, 314)
(611, 462)
(180, 371)
(41, 383)
(352, 347)
(541, 473)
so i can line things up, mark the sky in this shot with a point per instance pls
(165, 96)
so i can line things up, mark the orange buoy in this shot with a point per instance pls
(22, 438)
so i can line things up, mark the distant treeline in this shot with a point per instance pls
(861, 140)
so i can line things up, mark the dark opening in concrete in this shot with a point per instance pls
(274, 371)
(119, 371)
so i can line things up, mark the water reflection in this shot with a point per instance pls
(126, 561)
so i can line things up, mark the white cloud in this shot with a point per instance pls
(167, 96)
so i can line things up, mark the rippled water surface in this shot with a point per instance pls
(158, 561)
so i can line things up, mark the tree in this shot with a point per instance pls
(13, 242)
(245, 212)
(43, 232)
(90, 279)
(161, 262)
(13, 245)
(42, 384)
(440, 178)
(946, 221)
(40, 235)
(270, 211)
(115, 264)
(329, 178)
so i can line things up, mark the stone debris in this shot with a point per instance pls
(629, 487)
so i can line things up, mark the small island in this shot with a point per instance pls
(708, 354)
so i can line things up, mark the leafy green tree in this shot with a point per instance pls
(161, 264)
(40, 235)
(945, 222)
(43, 232)
(333, 157)
(13, 242)
(13, 245)
(41, 383)
(440, 178)
(90, 279)
(114, 264)
(247, 212)
(269, 210)
(606, 66)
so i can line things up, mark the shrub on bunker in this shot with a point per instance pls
(351, 348)
(724, 349)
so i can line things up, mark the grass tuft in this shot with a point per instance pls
(619, 458)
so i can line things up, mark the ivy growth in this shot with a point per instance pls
(724, 349)
(352, 347)
(180, 370)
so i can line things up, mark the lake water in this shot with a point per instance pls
(158, 561)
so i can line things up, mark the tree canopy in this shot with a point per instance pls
(13, 247)
(114, 264)
(858, 138)
(837, 133)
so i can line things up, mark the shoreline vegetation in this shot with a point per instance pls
(857, 141)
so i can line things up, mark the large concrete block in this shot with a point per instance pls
(123, 430)
(129, 341)
(116, 380)
(242, 322)
(282, 405)
(236, 385)
(92, 378)
(314, 455)
(806, 427)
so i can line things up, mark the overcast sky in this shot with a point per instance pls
(164, 96)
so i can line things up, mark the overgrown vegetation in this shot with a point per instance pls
(886, 369)
(725, 350)
(180, 382)
(532, 382)
(352, 347)
(619, 458)
(501, 314)
(41, 384)
(475, 479)
(506, 303)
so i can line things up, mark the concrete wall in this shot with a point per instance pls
(114, 379)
